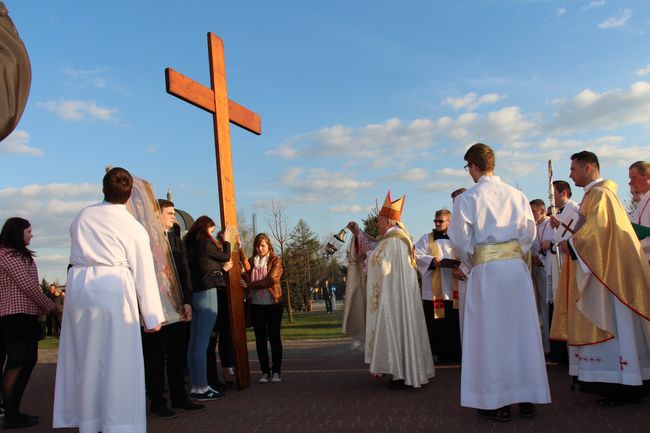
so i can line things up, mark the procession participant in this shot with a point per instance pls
(165, 350)
(603, 302)
(460, 274)
(354, 312)
(542, 256)
(564, 222)
(21, 302)
(503, 360)
(396, 340)
(639, 173)
(439, 290)
(110, 287)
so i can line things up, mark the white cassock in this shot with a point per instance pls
(424, 256)
(111, 285)
(544, 277)
(503, 360)
(396, 334)
(641, 216)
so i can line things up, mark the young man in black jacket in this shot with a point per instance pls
(169, 345)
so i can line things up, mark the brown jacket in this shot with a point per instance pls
(272, 280)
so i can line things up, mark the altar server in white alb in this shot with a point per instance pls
(491, 229)
(639, 173)
(543, 254)
(396, 334)
(110, 287)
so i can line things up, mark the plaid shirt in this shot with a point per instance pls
(20, 291)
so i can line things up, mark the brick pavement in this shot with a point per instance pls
(326, 389)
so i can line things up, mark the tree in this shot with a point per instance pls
(277, 221)
(370, 223)
(303, 261)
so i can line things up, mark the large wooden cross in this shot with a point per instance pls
(215, 100)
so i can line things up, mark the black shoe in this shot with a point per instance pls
(209, 395)
(163, 411)
(20, 421)
(398, 384)
(526, 410)
(502, 414)
(188, 405)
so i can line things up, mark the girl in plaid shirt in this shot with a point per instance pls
(21, 301)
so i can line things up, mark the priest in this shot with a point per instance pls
(603, 300)
(639, 173)
(491, 229)
(396, 339)
(439, 289)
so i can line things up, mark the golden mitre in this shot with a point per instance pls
(392, 209)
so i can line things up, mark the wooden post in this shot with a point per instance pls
(215, 101)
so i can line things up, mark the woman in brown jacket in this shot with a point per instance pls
(263, 284)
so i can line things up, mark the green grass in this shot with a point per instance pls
(309, 325)
(49, 343)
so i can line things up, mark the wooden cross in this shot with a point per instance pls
(215, 100)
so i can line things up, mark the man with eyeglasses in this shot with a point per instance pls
(503, 359)
(439, 290)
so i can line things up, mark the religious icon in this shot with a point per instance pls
(144, 207)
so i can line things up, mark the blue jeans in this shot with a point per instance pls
(204, 316)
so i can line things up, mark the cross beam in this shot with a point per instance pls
(215, 101)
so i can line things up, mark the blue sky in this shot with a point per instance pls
(356, 97)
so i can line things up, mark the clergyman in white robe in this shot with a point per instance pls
(396, 334)
(110, 287)
(503, 360)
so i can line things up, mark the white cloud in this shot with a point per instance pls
(560, 11)
(152, 148)
(16, 144)
(437, 187)
(50, 209)
(452, 172)
(285, 151)
(87, 76)
(411, 175)
(643, 71)
(318, 185)
(353, 208)
(594, 4)
(471, 101)
(78, 110)
(617, 21)
(608, 110)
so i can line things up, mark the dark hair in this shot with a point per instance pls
(164, 203)
(643, 167)
(562, 185)
(13, 236)
(538, 202)
(482, 156)
(458, 192)
(258, 240)
(586, 157)
(118, 184)
(199, 229)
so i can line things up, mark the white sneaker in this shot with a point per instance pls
(276, 377)
(265, 378)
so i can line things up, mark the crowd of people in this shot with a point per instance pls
(113, 333)
(506, 284)
(501, 284)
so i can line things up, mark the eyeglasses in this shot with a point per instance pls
(439, 221)
(466, 166)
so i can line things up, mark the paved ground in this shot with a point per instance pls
(326, 389)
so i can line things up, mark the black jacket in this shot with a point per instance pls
(206, 262)
(180, 261)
